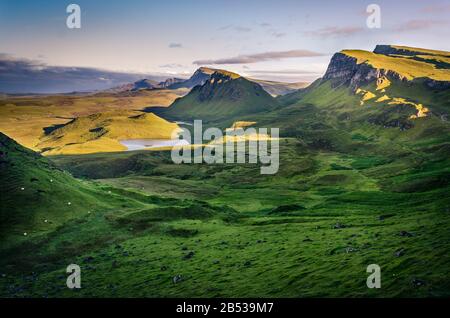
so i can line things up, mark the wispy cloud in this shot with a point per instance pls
(285, 72)
(260, 57)
(32, 76)
(171, 65)
(238, 28)
(335, 31)
(175, 45)
(288, 75)
(419, 24)
(436, 8)
(242, 29)
(278, 34)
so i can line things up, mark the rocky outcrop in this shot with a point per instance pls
(169, 82)
(214, 88)
(389, 49)
(344, 70)
(198, 78)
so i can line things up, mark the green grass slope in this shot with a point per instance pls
(361, 181)
(309, 231)
(37, 196)
(224, 96)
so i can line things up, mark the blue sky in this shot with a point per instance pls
(168, 37)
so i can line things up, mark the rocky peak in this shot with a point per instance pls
(144, 84)
(170, 81)
(406, 51)
(206, 70)
(356, 68)
(345, 70)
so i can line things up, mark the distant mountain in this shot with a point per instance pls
(143, 84)
(146, 84)
(274, 88)
(170, 82)
(223, 95)
(23, 76)
(279, 88)
(199, 77)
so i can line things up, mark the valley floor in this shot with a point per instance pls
(227, 231)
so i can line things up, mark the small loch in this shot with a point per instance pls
(141, 144)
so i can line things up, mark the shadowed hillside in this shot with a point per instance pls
(36, 195)
(225, 95)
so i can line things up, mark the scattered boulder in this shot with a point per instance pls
(385, 216)
(189, 255)
(399, 252)
(418, 282)
(338, 226)
(177, 278)
(88, 259)
(405, 234)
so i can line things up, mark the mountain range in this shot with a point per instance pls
(363, 179)
(200, 76)
(391, 87)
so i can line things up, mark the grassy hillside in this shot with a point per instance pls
(404, 65)
(38, 197)
(224, 96)
(102, 132)
(364, 179)
(310, 230)
(35, 113)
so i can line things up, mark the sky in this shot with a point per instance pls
(283, 40)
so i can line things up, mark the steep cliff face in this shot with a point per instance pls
(407, 51)
(392, 76)
(345, 70)
(355, 68)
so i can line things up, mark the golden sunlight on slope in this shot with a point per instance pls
(24, 118)
(422, 111)
(102, 132)
(406, 67)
